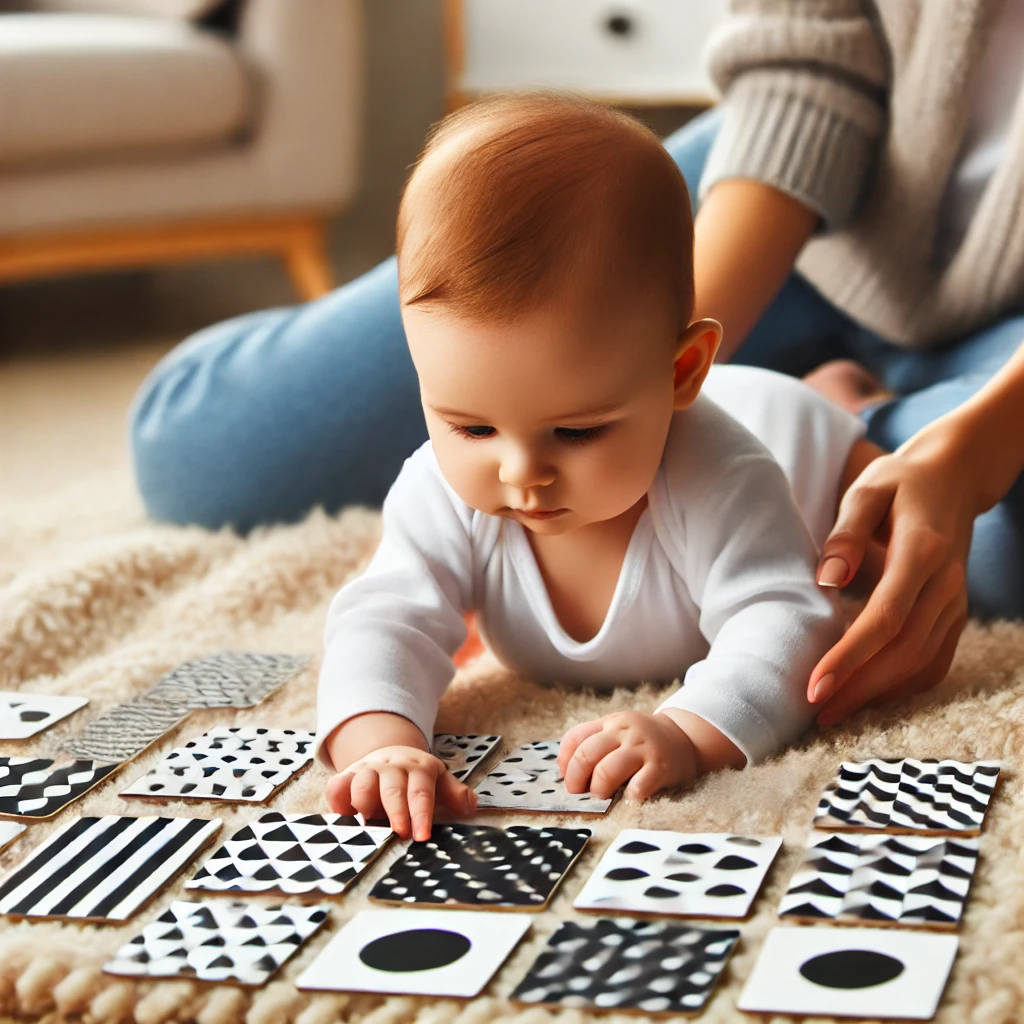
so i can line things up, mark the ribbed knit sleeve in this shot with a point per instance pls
(803, 88)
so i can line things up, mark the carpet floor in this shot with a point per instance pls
(96, 602)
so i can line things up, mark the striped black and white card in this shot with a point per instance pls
(103, 869)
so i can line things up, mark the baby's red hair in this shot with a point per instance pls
(518, 200)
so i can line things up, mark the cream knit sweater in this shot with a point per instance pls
(858, 109)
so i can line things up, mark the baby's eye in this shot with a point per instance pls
(579, 435)
(476, 432)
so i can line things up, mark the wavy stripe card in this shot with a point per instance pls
(103, 869)
(37, 787)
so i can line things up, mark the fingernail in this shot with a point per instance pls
(823, 688)
(833, 572)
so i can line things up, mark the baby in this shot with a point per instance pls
(606, 521)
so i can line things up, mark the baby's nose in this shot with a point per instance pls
(523, 470)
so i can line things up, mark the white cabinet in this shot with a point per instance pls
(630, 51)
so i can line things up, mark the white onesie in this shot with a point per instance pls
(717, 585)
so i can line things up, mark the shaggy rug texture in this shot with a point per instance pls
(94, 601)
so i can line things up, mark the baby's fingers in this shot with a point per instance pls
(585, 761)
(421, 802)
(615, 769)
(339, 794)
(365, 793)
(455, 795)
(572, 739)
(394, 784)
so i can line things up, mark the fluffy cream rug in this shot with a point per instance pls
(93, 601)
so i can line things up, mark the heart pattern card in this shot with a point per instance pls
(102, 869)
(882, 879)
(230, 679)
(462, 754)
(38, 787)
(850, 972)
(217, 941)
(126, 730)
(294, 854)
(479, 866)
(642, 966)
(529, 780)
(24, 714)
(243, 764)
(416, 952)
(908, 796)
(701, 874)
(9, 831)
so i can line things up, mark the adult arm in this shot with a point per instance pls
(921, 501)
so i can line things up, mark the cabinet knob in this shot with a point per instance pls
(621, 25)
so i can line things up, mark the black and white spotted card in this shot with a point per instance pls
(217, 941)
(696, 874)
(244, 764)
(529, 780)
(648, 966)
(294, 854)
(882, 879)
(850, 972)
(463, 754)
(24, 714)
(416, 952)
(908, 796)
(38, 787)
(479, 866)
(102, 869)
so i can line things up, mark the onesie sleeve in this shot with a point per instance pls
(803, 88)
(749, 564)
(392, 631)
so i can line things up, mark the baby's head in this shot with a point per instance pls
(545, 263)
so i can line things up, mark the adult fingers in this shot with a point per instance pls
(572, 739)
(394, 783)
(586, 758)
(914, 557)
(861, 514)
(339, 793)
(618, 767)
(455, 795)
(420, 794)
(365, 790)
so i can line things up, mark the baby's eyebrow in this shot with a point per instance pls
(457, 413)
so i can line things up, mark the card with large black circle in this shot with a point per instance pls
(416, 952)
(850, 972)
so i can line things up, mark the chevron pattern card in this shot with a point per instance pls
(703, 874)
(24, 714)
(850, 972)
(881, 879)
(650, 967)
(294, 854)
(463, 754)
(37, 787)
(477, 866)
(217, 941)
(529, 780)
(908, 796)
(102, 869)
(242, 764)
(230, 679)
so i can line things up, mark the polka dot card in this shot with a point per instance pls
(699, 874)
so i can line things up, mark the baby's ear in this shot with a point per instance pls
(694, 356)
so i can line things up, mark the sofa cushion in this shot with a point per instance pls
(82, 87)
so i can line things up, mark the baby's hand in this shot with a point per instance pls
(403, 783)
(652, 750)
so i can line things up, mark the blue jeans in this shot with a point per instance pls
(259, 419)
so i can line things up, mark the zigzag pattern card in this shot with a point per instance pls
(24, 714)
(529, 780)
(701, 874)
(477, 866)
(126, 729)
(647, 966)
(416, 953)
(230, 679)
(850, 972)
(462, 754)
(294, 854)
(908, 796)
(878, 879)
(36, 787)
(102, 869)
(228, 941)
(9, 831)
(243, 764)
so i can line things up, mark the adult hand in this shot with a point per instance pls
(920, 503)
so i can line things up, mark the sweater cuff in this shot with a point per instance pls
(813, 140)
